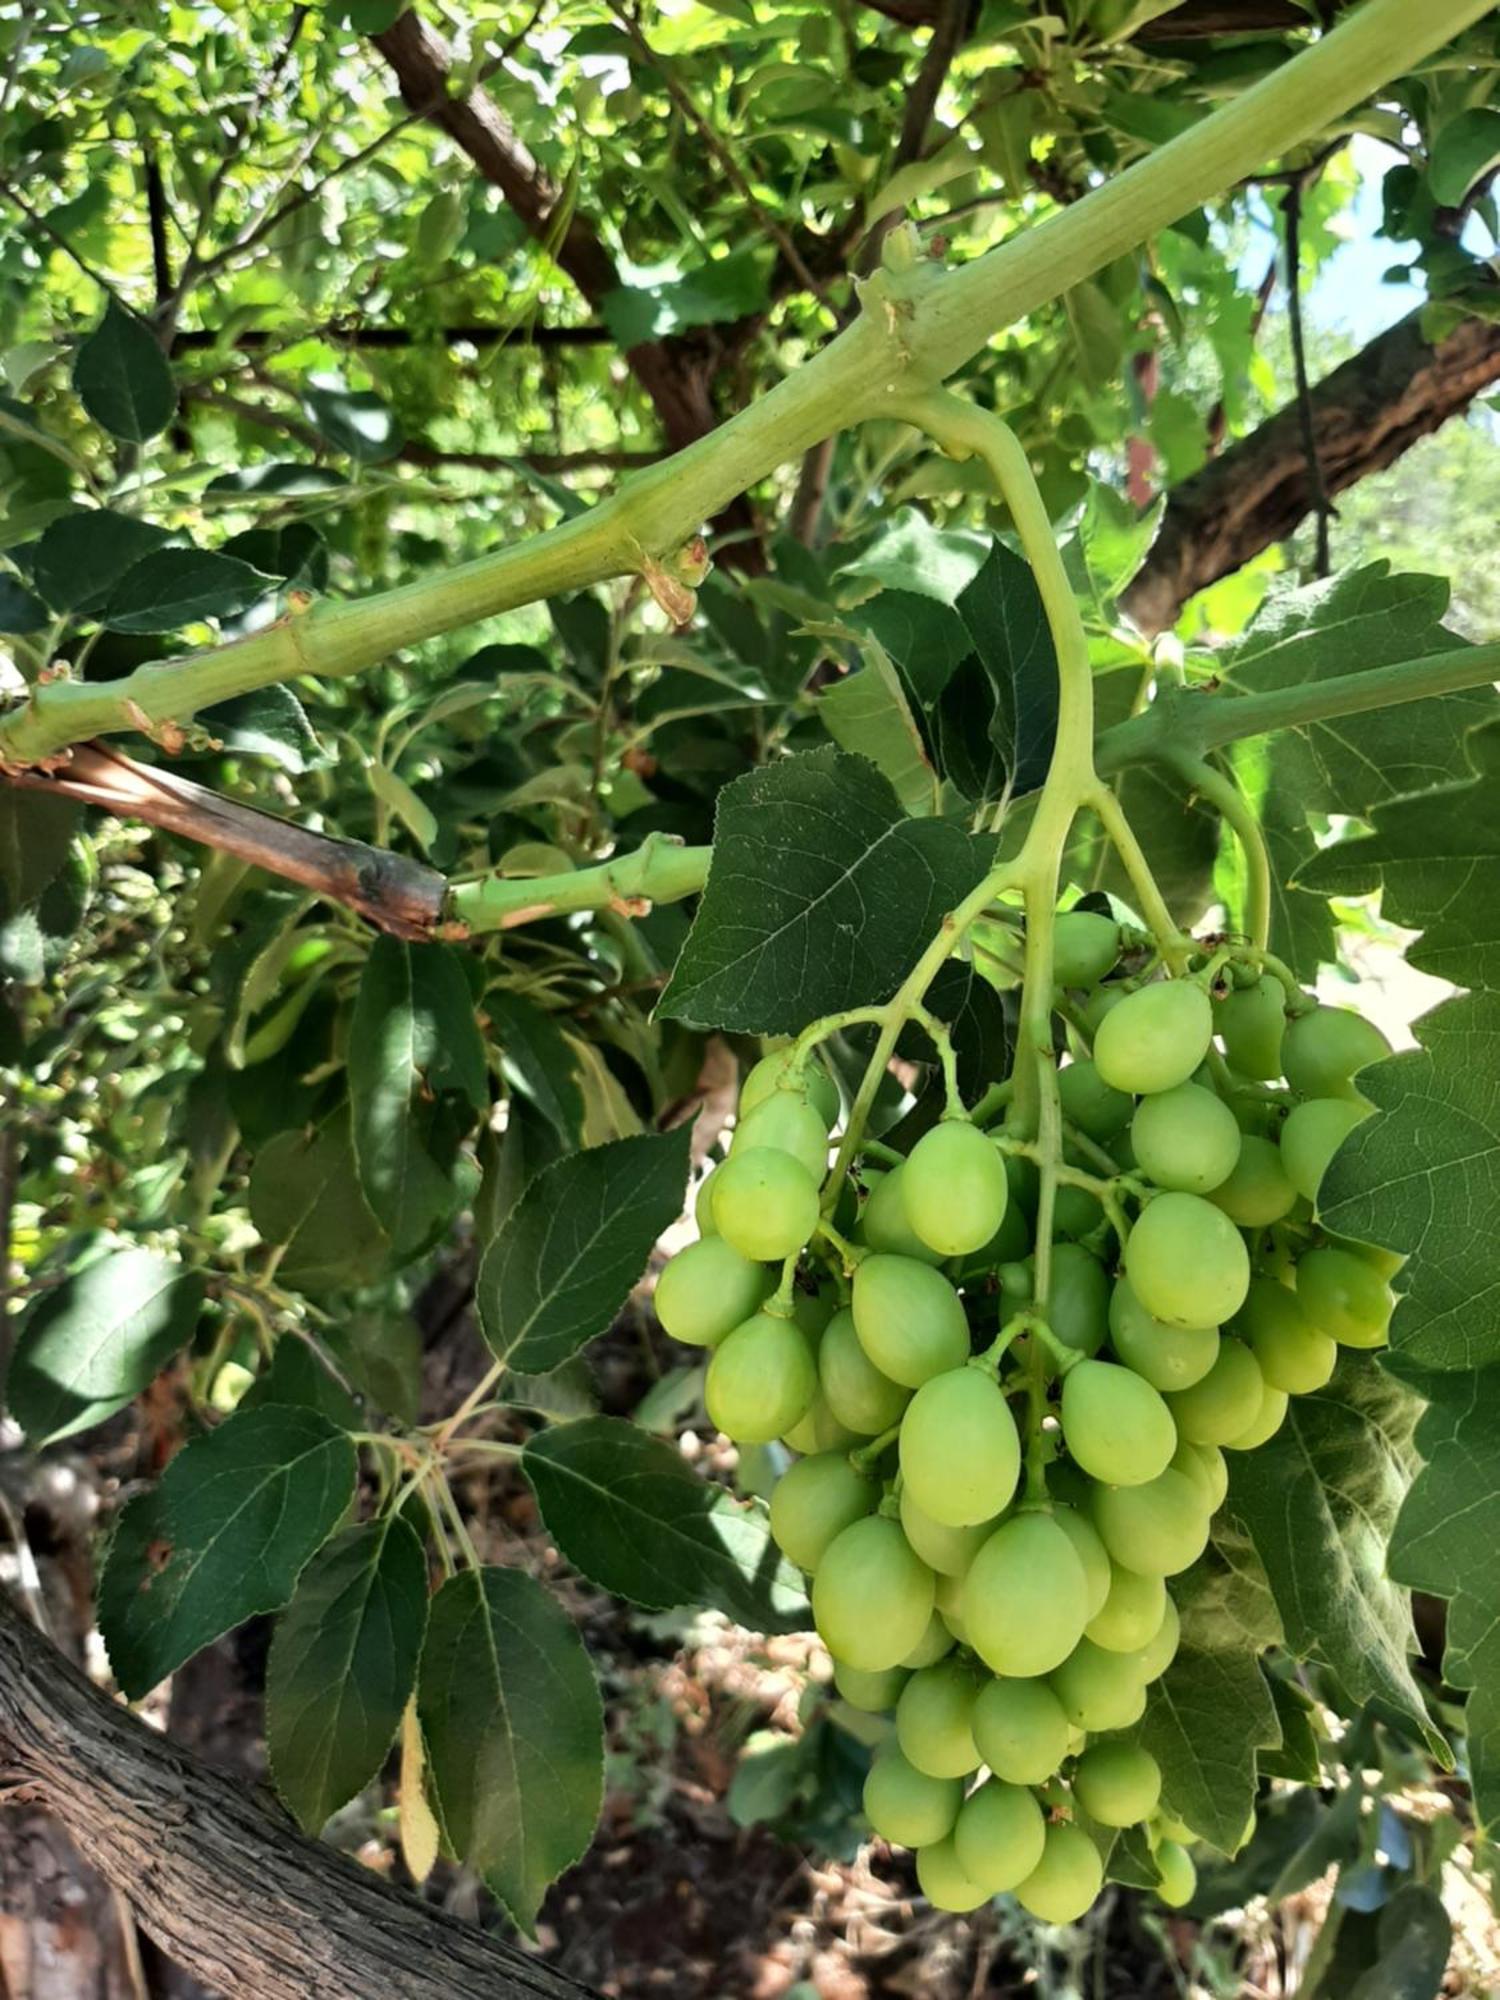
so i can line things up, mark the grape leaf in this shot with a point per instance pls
(81, 556)
(1205, 1720)
(1003, 613)
(514, 1730)
(1414, 1936)
(537, 1060)
(868, 714)
(35, 831)
(122, 377)
(175, 587)
(304, 1195)
(632, 1515)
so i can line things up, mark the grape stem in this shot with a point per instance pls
(1225, 796)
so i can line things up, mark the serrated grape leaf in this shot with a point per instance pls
(222, 1536)
(1003, 613)
(297, 1375)
(80, 557)
(1205, 1720)
(94, 1341)
(562, 1263)
(867, 713)
(910, 555)
(175, 587)
(630, 1513)
(413, 1046)
(343, 1664)
(537, 1060)
(269, 723)
(514, 1731)
(36, 829)
(122, 377)
(1298, 1757)
(1318, 1500)
(304, 1195)
(821, 895)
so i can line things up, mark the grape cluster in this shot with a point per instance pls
(992, 1489)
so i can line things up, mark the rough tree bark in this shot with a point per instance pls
(229, 1889)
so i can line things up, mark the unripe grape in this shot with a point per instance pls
(1186, 1139)
(1098, 1689)
(1168, 1357)
(785, 1124)
(884, 1224)
(760, 1380)
(954, 1188)
(1225, 1402)
(1386, 1261)
(1078, 1298)
(1024, 1601)
(1265, 1424)
(1131, 1615)
(999, 1836)
(818, 1429)
(1118, 1784)
(813, 1310)
(1021, 1730)
(773, 1073)
(907, 1807)
(1089, 1550)
(857, 1393)
(1158, 1529)
(1204, 1465)
(948, 1597)
(1345, 1296)
(1085, 947)
(814, 1500)
(707, 1290)
(1252, 1020)
(1257, 1192)
(1312, 1135)
(944, 1883)
(935, 1643)
(947, 1550)
(871, 1598)
(1186, 1262)
(1066, 1880)
(934, 1720)
(1152, 1661)
(1324, 1049)
(1155, 1038)
(872, 1694)
(1293, 1354)
(960, 1451)
(1094, 1006)
(765, 1203)
(1116, 1426)
(909, 1319)
(1090, 1103)
(703, 1206)
(1179, 1878)
(1076, 1213)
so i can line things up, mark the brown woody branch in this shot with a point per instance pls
(228, 1887)
(1193, 20)
(351, 333)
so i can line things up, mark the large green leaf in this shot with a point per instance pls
(94, 1341)
(514, 1731)
(1003, 614)
(538, 1060)
(1205, 1720)
(626, 1509)
(343, 1665)
(122, 377)
(223, 1536)
(304, 1196)
(565, 1258)
(821, 895)
(175, 587)
(868, 713)
(81, 556)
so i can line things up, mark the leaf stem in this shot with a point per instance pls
(1225, 796)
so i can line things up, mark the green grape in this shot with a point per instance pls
(1186, 1262)
(1252, 1020)
(1076, 1213)
(947, 1550)
(1021, 1731)
(1089, 1550)
(1155, 1038)
(765, 1203)
(1187, 1139)
(1098, 1689)
(1153, 1659)
(949, 1600)
(934, 1643)
(1025, 1599)
(1066, 1880)
(814, 1500)
(1345, 1296)
(818, 1429)
(785, 1124)
(934, 1721)
(1090, 1103)
(1025, 1183)
(1168, 1357)
(1258, 1192)
(1131, 1615)
(1204, 1465)
(872, 1694)
(1325, 1047)
(1387, 1262)
(944, 1883)
(1010, 1241)
(813, 1310)
(1179, 1878)
(999, 1836)
(884, 1224)
(954, 1188)
(1293, 1354)
(1078, 1298)
(1094, 1006)
(1118, 1784)
(1312, 1135)
(856, 1391)
(909, 1319)
(707, 1290)
(871, 1597)
(1225, 1402)
(1266, 1422)
(960, 1451)
(1085, 947)
(1158, 1529)
(907, 1807)
(703, 1207)
(1116, 1426)
(760, 1380)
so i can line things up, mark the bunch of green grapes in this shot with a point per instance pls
(994, 1482)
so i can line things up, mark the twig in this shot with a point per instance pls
(1291, 209)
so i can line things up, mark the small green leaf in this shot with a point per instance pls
(1464, 151)
(21, 611)
(536, 1058)
(36, 829)
(355, 421)
(716, 291)
(304, 1194)
(514, 1731)
(414, 814)
(223, 1536)
(80, 557)
(296, 1375)
(632, 1515)
(269, 723)
(868, 713)
(123, 379)
(175, 587)
(89, 1345)
(343, 1664)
